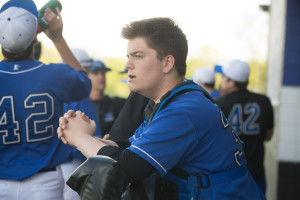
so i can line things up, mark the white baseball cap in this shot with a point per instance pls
(204, 74)
(83, 58)
(18, 25)
(235, 70)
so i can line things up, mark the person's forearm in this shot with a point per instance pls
(108, 142)
(89, 146)
(269, 134)
(66, 54)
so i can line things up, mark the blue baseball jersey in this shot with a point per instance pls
(215, 93)
(31, 101)
(190, 132)
(86, 106)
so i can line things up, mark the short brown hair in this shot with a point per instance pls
(18, 56)
(164, 36)
(239, 85)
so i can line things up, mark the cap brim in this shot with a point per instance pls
(92, 69)
(219, 69)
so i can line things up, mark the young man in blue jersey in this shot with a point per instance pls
(32, 95)
(185, 139)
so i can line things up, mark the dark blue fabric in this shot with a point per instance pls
(190, 132)
(31, 100)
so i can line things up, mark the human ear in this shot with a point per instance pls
(168, 64)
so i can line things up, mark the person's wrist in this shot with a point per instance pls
(57, 39)
(80, 142)
(89, 146)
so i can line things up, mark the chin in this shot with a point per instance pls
(133, 89)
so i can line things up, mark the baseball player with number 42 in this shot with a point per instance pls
(31, 100)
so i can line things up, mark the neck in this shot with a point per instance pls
(234, 89)
(166, 88)
(96, 95)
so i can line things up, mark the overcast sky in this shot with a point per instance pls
(236, 28)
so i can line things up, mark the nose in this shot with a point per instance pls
(129, 64)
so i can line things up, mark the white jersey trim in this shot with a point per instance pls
(150, 157)
(19, 72)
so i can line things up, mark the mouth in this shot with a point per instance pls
(131, 77)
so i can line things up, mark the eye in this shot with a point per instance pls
(138, 56)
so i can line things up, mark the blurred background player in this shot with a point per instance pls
(250, 114)
(205, 77)
(107, 107)
(31, 103)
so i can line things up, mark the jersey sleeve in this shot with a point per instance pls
(156, 142)
(80, 86)
(75, 85)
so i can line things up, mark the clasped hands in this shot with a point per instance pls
(74, 127)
